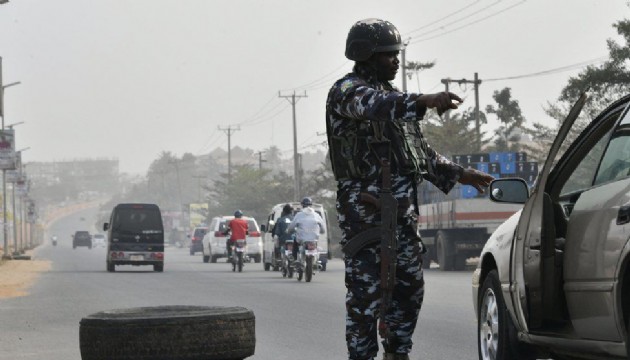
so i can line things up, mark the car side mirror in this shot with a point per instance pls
(105, 226)
(509, 190)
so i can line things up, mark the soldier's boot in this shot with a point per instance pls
(392, 356)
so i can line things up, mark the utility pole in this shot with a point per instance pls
(403, 59)
(476, 82)
(228, 131)
(447, 113)
(5, 230)
(199, 177)
(260, 159)
(293, 99)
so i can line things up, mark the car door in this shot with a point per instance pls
(562, 231)
(597, 233)
(528, 265)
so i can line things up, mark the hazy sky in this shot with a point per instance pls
(130, 79)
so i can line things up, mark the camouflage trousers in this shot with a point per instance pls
(364, 297)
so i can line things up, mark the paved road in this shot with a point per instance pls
(294, 320)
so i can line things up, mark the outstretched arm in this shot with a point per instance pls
(478, 179)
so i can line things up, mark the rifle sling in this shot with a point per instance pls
(361, 240)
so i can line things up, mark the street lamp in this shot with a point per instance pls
(5, 231)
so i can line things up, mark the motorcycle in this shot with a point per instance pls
(308, 260)
(239, 254)
(54, 241)
(287, 258)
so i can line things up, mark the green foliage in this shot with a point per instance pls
(454, 134)
(603, 83)
(606, 82)
(509, 114)
(251, 190)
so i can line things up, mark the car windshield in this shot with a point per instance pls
(199, 233)
(137, 220)
(252, 225)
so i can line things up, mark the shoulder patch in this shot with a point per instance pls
(345, 85)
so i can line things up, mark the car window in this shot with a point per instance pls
(582, 177)
(584, 174)
(137, 220)
(200, 232)
(615, 164)
(251, 225)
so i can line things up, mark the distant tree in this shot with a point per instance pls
(250, 190)
(509, 114)
(455, 135)
(605, 82)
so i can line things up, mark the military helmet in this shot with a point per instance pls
(370, 36)
(238, 214)
(307, 202)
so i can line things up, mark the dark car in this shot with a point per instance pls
(135, 236)
(196, 236)
(81, 238)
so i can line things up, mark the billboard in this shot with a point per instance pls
(198, 214)
(12, 176)
(7, 149)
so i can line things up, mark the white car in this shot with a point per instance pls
(214, 240)
(98, 240)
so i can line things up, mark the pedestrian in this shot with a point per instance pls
(377, 150)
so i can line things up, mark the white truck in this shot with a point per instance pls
(455, 227)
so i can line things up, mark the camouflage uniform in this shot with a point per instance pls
(353, 103)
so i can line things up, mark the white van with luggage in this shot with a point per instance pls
(323, 244)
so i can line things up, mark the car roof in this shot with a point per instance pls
(136, 206)
(295, 205)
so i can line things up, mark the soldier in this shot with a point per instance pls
(378, 152)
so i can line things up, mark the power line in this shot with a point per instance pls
(271, 117)
(442, 18)
(325, 78)
(273, 97)
(465, 25)
(552, 71)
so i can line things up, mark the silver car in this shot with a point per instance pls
(553, 280)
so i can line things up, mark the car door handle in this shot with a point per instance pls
(623, 216)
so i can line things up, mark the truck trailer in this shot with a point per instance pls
(454, 227)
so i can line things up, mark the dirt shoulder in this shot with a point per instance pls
(16, 276)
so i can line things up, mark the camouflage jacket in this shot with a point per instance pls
(353, 103)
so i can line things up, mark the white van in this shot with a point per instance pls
(323, 243)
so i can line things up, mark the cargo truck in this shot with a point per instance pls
(454, 227)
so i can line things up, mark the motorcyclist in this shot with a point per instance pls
(279, 233)
(237, 228)
(307, 224)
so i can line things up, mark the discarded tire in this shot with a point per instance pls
(168, 332)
